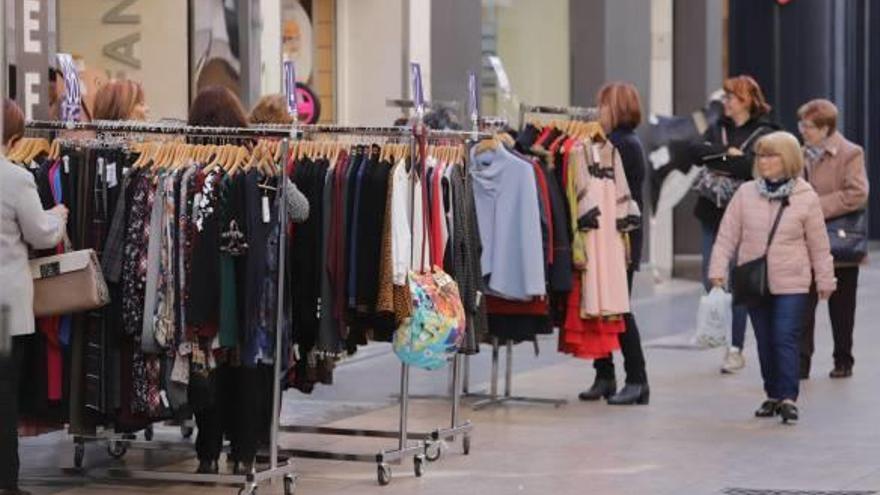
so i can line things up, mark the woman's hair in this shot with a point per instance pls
(746, 89)
(216, 106)
(118, 99)
(271, 109)
(787, 147)
(821, 112)
(623, 102)
(13, 122)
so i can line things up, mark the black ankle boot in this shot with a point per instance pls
(602, 389)
(768, 409)
(632, 394)
(788, 411)
(208, 467)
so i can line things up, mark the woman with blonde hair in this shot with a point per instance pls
(121, 99)
(777, 215)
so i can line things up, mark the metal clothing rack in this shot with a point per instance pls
(384, 458)
(248, 482)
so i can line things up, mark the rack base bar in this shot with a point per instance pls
(260, 476)
(349, 432)
(388, 457)
(452, 433)
(504, 399)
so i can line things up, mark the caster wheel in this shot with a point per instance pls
(419, 465)
(248, 490)
(433, 452)
(117, 450)
(148, 434)
(289, 485)
(384, 474)
(466, 445)
(79, 455)
(186, 432)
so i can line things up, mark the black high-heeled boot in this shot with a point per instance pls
(208, 467)
(602, 389)
(632, 394)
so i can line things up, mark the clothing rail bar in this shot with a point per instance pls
(574, 111)
(158, 128)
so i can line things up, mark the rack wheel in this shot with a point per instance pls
(148, 434)
(186, 432)
(384, 472)
(249, 489)
(433, 451)
(79, 454)
(289, 484)
(466, 445)
(117, 450)
(419, 465)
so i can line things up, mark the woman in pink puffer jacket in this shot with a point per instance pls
(799, 251)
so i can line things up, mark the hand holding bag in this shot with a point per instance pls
(68, 283)
(714, 317)
(750, 284)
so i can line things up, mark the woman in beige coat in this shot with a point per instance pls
(835, 167)
(23, 223)
(798, 250)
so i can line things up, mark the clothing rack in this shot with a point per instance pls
(119, 445)
(429, 448)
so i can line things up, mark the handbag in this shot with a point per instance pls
(435, 330)
(717, 186)
(68, 283)
(750, 284)
(848, 235)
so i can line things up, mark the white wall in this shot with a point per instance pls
(661, 232)
(370, 41)
(270, 46)
(533, 44)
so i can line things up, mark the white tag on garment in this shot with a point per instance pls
(111, 175)
(164, 398)
(597, 157)
(66, 161)
(266, 214)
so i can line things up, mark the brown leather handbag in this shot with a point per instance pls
(68, 283)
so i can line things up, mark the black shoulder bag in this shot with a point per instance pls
(750, 284)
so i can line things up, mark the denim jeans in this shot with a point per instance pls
(740, 313)
(778, 323)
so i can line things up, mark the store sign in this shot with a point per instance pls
(32, 57)
(70, 102)
(418, 94)
(290, 88)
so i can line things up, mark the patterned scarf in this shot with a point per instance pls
(772, 191)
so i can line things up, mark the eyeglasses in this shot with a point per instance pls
(805, 124)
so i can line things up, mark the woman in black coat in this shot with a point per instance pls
(727, 154)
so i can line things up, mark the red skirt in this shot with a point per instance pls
(588, 338)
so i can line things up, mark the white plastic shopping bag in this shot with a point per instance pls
(714, 318)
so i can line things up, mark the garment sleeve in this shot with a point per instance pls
(819, 247)
(297, 203)
(39, 228)
(854, 193)
(729, 236)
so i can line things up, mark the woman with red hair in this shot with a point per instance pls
(728, 157)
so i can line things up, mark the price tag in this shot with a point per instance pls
(266, 213)
(111, 175)
(597, 157)
(66, 160)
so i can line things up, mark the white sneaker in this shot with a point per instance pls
(733, 361)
